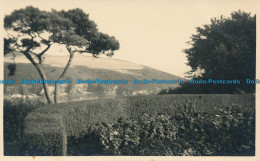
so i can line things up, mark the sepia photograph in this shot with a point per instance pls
(129, 79)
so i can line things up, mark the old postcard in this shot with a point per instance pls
(129, 80)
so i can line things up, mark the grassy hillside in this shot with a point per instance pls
(88, 68)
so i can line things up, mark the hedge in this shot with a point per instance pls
(47, 127)
(44, 133)
(79, 116)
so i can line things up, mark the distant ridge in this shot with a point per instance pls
(86, 67)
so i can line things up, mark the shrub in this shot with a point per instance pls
(80, 115)
(14, 116)
(44, 133)
(228, 132)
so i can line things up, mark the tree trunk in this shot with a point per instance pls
(56, 91)
(42, 75)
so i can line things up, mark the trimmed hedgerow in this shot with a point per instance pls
(14, 115)
(44, 133)
(229, 131)
(47, 127)
(78, 116)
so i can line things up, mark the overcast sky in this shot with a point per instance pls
(150, 32)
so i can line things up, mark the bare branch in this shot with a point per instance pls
(48, 41)
(10, 35)
(35, 56)
(28, 56)
(68, 48)
(63, 73)
(16, 47)
(32, 35)
(80, 51)
(95, 55)
(44, 51)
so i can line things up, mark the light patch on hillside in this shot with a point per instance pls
(125, 71)
(78, 60)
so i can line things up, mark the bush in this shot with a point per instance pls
(14, 116)
(141, 137)
(228, 132)
(80, 115)
(44, 133)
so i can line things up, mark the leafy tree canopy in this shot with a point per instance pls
(32, 32)
(224, 49)
(34, 28)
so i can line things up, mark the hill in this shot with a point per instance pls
(86, 67)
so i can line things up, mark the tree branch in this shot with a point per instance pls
(68, 63)
(43, 52)
(28, 56)
(32, 36)
(63, 73)
(48, 41)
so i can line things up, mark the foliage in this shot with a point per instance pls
(44, 133)
(25, 132)
(14, 117)
(12, 69)
(31, 30)
(80, 115)
(49, 144)
(188, 88)
(72, 28)
(141, 137)
(228, 132)
(225, 49)
(45, 128)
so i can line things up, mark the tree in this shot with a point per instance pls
(224, 49)
(30, 30)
